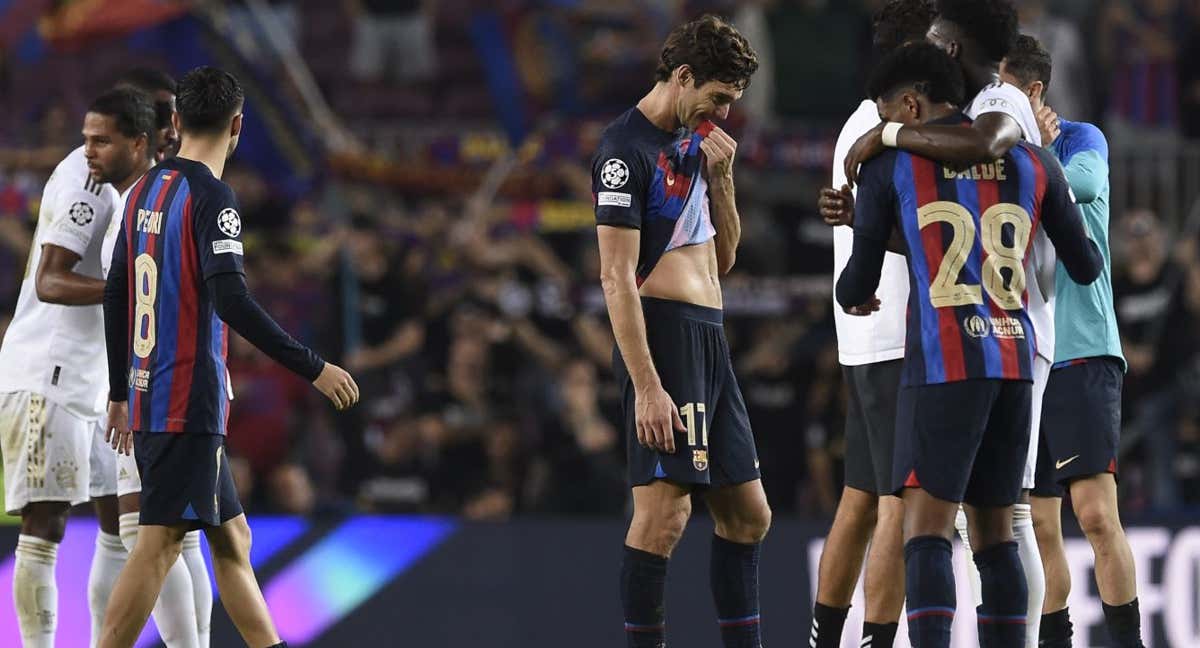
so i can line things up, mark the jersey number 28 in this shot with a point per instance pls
(145, 274)
(945, 289)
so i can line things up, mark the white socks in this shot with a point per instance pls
(174, 611)
(107, 561)
(1035, 575)
(1031, 561)
(34, 591)
(201, 586)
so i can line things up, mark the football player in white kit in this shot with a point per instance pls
(183, 611)
(978, 34)
(53, 369)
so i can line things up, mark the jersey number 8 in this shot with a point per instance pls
(145, 272)
(945, 290)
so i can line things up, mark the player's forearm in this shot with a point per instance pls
(954, 146)
(629, 328)
(69, 288)
(116, 333)
(725, 219)
(859, 280)
(237, 308)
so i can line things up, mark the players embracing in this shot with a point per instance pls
(965, 406)
(668, 228)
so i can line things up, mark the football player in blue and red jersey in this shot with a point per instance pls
(966, 396)
(175, 286)
(668, 228)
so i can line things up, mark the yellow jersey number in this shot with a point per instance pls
(145, 273)
(945, 290)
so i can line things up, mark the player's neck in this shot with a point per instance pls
(138, 172)
(980, 75)
(659, 107)
(212, 153)
(942, 111)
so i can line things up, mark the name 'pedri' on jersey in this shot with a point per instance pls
(181, 226)
(968, 234)
(650, 179)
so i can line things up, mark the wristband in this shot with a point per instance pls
(890, 131)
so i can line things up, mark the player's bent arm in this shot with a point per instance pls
(56, 282)
(618, 277)
(989, 138)
(859, 280)
(1087, 173)
(116, 322)
(726, 221)
(234, 305)
(1064, 225)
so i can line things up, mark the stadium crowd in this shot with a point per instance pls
(473, 320)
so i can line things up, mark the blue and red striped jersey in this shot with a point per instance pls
(967, 236)
(650, 179)
(181, 226)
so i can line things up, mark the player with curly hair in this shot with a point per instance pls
(668, 228)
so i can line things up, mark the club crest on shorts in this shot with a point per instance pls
(65, 474)
(700, 459)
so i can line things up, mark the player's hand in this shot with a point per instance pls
(1048, 124)
(337, 385)
(836, 205)
(867, 147)
(116, 428)
(657, 419)
(719, 150)
(862, 310)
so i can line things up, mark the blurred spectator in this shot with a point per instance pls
(583, 469)
(1158, 338)
(1138, 48)
(1070, 90)
(393, 39)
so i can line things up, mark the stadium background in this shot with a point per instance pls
(415, 183)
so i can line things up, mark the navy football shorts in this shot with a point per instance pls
(687, 343)
(871, 424)
(186, 479)
(964, 441)
(1081, 424)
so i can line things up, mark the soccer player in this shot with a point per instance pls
(177, 278)
(1081, 417)
(184, 608)
(978, 34)
(668, 228)
(964, 409)
(870, 350)
(52, 376)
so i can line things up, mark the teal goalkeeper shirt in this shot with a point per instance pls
(1085, 322)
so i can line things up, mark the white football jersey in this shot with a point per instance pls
(50, 349)
(1039, 266)
(879, 336)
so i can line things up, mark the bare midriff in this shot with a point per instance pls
(687, 274)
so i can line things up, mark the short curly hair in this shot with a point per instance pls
(992, 24)
(901, 21)
(923, 67)
(712, 48)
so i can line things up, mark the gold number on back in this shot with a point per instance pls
(145, 273)
(945, 290)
